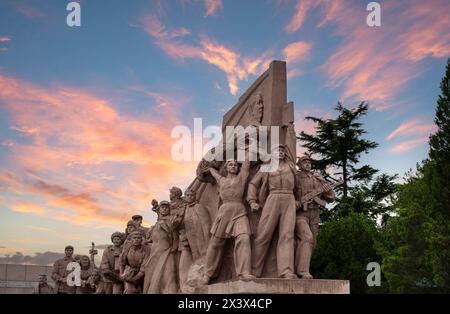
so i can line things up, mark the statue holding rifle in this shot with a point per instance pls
(314, 192)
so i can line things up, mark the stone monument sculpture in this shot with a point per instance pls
(276, 193)
(307, 218)
(265, 214)
(195, 235)
(231, 222)
(160, 268)
(110, 266)
(43, 287)
(130, 262)
(59, 272)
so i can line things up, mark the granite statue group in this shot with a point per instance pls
(183, 250)
(237, 220)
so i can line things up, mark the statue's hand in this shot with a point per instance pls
(154, 203)
(327, 187)
(254, 206)
(297, 204)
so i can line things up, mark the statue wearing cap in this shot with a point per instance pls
(307, 218)
(110, 264)
(130, 262)
(59, 272)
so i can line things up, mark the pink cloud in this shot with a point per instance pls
(297, 51)
(408, 145)
(235, 66)
(212, 6)
(412, 127)
(375, 63)
(301, 10)
(4, 38)
(29, 11)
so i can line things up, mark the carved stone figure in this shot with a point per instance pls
(131, 260)
(161, 267)
(137, 219)
(276, 191)
(195, 233)
(231, 222)
(131, 227)
(43, 287)
(96, 282)
(110, 265)
(59, 272)
(307, 219)
(85, 274)
(256, 110)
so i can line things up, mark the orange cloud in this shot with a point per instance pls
(408, 145)
(235, 66)
(28, 207)
(412, 127)
(85, 160)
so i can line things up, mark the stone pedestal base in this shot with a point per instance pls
(278, 285)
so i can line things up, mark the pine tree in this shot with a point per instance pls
(338, 143)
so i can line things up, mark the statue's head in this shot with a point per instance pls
(137, 219)
(189, 196)
(256, 108)
(175, 193)
(68, 251)
(136, 238)
(95, 275)
(42, 278)
(279, 152)
(85, 262)
(117, 238)
(164, 208)
(232, 166)
(304, 163)
(131, 226)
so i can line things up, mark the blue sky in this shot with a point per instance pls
(86, 112)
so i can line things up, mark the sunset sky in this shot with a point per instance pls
(86, 112)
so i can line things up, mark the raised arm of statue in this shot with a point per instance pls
(215, 174)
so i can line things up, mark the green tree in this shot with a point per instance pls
(338, 143)
(417, 256)
(344, 248)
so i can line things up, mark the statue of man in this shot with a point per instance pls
(131, 227)
(161, 267)
(307, 220)
(43, 287)
(276, 191)
(59, 273)
(231, 222)
(195, 233)
(176, 200)
(137, 219)
(256, 110)
(110, 264)
(131, 260)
